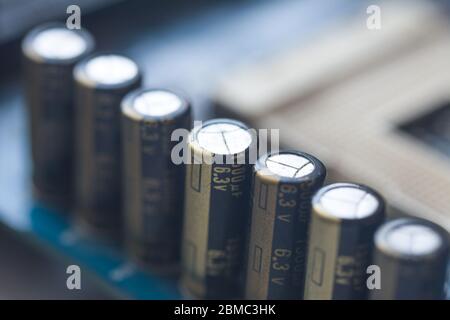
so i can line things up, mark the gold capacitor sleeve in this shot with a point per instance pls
(131, 157)
(196, 221)
(49, 95)
(344, 219)
(84, 164)
(322, 255)
(412, 257)
(261, 235)
(216, 209)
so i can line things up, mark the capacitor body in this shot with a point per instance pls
(216, 212)
(98, 142)
(344, 219)
(48, 84)
(413, 265)
(153, 182)
(281, 209)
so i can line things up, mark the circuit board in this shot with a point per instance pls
(156, 51)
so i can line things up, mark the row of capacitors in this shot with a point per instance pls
(102, 147)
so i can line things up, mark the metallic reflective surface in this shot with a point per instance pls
(413, 239)
(413, 257)
(151, 51)
(284, 183)
(153, 185)
(59, 43)
(157, 103)
(101, 84)
(344, 220)
(224, 138)
(111, 69)
(50, 52)
(289, 165)
(348, 202)
(216, 210)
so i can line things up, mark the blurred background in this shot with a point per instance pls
(373, 104)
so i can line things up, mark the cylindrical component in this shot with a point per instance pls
(217, 191)
(412, 255)
(101, 83)
(153, 183)
(49, 55)
(283, 185)
(344, 219)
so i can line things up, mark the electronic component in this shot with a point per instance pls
(216, 208)
(50, 52)
(366, 113)
(153, 185)
(412, 255)
(101, 83)
(283, 185)
(344, 219)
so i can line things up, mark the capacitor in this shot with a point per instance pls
(50, 52)
(412, 256)
(344, 219)
(101, 82)
(153, 182)
(216, 210)
(283, 185)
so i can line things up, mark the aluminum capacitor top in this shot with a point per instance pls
(283, 185)
(50, 52)
(153, 183)
(344, 219)
(412, 255)
(216, 208)
(101, 82)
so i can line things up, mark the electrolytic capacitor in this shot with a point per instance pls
(344, 219)
(153, 184)
(101, 82)
(216, 208)
(50, 52)
(412, 256)
(283, 185)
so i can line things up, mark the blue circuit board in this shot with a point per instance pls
(163, 49)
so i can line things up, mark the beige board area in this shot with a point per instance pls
(349, 117)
